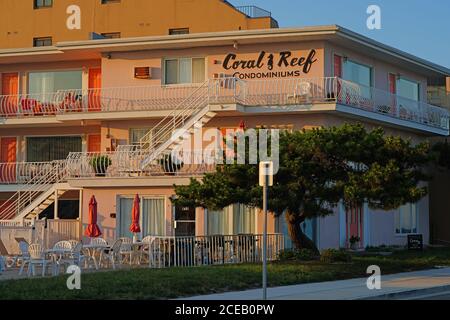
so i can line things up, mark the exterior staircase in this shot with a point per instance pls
(37, 195)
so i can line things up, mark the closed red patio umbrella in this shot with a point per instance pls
(134, 227)
(92, 230)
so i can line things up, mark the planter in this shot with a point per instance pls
(100, 165)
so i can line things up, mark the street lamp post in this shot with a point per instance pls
(265, 180)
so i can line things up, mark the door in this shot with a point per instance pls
(95, 84)
(355, 227)
(8, 150)
(10, 89)
(184, 222)
(94, 143)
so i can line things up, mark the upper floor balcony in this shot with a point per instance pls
(274, 95)
(254, 11)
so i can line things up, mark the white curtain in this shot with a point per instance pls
(185, 70)
(153, 217)
(235, 219)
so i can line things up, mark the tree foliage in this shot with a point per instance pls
(318, 169)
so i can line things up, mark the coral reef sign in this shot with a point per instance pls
(285, 64)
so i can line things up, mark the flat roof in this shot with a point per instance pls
(92, 49)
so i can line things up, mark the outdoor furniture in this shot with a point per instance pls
(24, 256)
(60, 252)
(94, 249)
(73, 243)
(77, 257)
(38, 257)
(126, 249)
(114, 253)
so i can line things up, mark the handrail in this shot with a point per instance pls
(22, 172)
(38, 184)
(125, 164)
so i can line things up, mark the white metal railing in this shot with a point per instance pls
(223, 90)
(22, 172)
(95, 100)
(185, 100)
(212, 250)
(379, 101)
(306, 91)
(32, 190)
(123, 164)
(281, 92)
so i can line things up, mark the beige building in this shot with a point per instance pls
(28, 23)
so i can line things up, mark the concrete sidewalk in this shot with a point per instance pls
(392, 286)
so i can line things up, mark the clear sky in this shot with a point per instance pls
(419, 27)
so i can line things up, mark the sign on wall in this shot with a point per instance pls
(285, 64)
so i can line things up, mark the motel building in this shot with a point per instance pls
(99, 117)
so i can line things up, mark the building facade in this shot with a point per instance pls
(53, 21)
(99, 117)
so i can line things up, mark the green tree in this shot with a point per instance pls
(318, 169)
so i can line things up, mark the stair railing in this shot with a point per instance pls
(32, 189)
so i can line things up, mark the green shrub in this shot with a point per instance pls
(333, 255)
(100, 164)
(297, 255)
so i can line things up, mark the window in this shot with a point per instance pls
(178, 31)
(235, 219)
(111, 35)
(137, 134)
(407, 89)
(43, 4)
(42, 42)
(359, 74)
(44, 149)
(184, 70)
(152, 217)
(110, 1)
(40, 83)
(406, 219)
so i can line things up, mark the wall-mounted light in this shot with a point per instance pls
(345, 58)
(236, 45)
(215, 61)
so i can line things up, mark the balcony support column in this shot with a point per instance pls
(55, 213)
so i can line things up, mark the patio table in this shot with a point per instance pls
(93, 249)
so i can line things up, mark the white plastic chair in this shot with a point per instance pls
(100, 243)
(37, 257)
(73, 243)
(114, 253)
(146, 248)
(24, 256)
(126, 249)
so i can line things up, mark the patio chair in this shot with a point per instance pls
(77, 257)
(126, 249)
(23, 257)
(113, 254)
(100, 242)
(38, 257)
(60, 257)
(148, 242)
(73, 243)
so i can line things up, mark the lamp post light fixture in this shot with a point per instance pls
(265, 180)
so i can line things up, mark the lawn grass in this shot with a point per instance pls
(180, 282)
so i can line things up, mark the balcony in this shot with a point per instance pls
(254, 12)
(339, 95)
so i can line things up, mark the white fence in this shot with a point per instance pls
(44, 232)
(212, 250)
